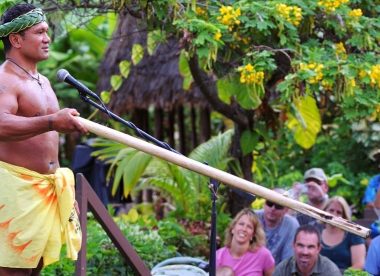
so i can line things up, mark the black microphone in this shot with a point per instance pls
(64, 76)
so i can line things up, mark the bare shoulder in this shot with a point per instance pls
(9, 83)
(44, 79)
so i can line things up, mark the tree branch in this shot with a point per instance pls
(233, 112)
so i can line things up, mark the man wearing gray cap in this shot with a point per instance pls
(317, 188)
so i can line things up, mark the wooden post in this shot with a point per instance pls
(86, 197)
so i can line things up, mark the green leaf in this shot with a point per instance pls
(247, 96)
(184, 70)
(248, 141)
(133, 170)
(116, 81)
(137, 53)
(125, 68)
(254, 93)
(105, 96)
(224, 87)
(153, 39)
(305, 121)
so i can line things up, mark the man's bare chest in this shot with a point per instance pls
(36, 101)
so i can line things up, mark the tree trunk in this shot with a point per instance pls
(181, 130)
(204, 123)
(194, 130)
(240, 199)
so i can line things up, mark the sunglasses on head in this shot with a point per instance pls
(276, 206)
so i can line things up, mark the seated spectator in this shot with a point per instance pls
(371, 191)
(372, 263)
(316, 182)
(279, 228)
(306, 259)
(343, 248)
(245, 252)
(371, 200)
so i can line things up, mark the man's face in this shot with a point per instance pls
(306, 251)
(316, 190)
(35, 42)
(273, 213)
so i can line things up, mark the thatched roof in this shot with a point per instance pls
(154, 81)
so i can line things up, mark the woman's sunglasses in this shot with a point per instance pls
(276, 206)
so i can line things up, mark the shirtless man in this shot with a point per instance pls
(30, 118)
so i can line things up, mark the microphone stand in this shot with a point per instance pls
(213, 186)
(137, 131)
(213, 183)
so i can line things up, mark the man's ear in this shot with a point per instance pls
(325, 187)
(15, 40)
(319, 247)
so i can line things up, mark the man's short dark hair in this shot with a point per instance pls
(11, 14)
(307, 228)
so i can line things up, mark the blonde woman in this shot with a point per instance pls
(244, 252)
(343, 248)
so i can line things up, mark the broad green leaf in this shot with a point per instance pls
(89, 40)
(224, 87)
(305, 121)
(187, 83)
(248, 141)
(105, 96)
(134, 169)
(247, 96)
(184, 70)
(153, 39)
(137, 53)
(254, 93)
(116, 81)
(125, 68)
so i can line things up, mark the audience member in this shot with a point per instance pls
(343, 248)
(306, 259)
(317, 188)
(279, 228)
(372, 263)
(245, 252)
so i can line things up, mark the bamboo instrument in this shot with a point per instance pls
(224, 177)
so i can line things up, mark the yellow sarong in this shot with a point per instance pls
(37, 216)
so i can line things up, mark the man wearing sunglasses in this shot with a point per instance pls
(317, 188)
(279, 228)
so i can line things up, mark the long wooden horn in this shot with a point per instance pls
(223, 177)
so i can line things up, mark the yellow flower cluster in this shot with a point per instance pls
(316, 67)
(327, 85)
(375, 75)
(340, 50)
(249, 75)
(217, 35)
(229, 16)
(331, 5)
(292, 14)
(356, 13)
(200, 11)
(351, 82)
(362, 74)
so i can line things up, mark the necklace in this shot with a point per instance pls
(37, 79)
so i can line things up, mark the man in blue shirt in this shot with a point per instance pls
(372, 263)
(279, 228)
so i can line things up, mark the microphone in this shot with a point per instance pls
(64, 76)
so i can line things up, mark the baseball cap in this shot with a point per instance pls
(316, 173)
